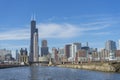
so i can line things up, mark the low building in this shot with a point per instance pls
(23, 56)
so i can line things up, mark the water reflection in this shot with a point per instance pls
(34, 73)
(39, 73)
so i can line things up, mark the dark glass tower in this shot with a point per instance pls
(44, 48)
(34, 51)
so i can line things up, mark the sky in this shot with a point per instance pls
(60, 22)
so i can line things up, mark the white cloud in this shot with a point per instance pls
(15, 34)
(52, 30)
(97, 33)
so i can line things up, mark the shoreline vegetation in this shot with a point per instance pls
(104, 66)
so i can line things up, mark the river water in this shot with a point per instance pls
(54, 73)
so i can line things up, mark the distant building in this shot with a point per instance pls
(95, 56)
(44, 43)
(5, 55)
(110, 45)
(55, 55)
(117, 55)
(104, 55)
(8, 57)
(17, 55)
(119, 44)
(85, 48)
(54, 51)
(61, 52)
(44, 48)
(23, 56)
(74, 48)
(81, 55)
(67, 50)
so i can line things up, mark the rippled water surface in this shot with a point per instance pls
(54, 73)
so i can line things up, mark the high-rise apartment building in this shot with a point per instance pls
(34, 49)
(67, 50)
(44, 48)
(74, 48)
(110, 45)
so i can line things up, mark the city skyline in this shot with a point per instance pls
(59, 22)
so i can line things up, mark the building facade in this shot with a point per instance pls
(104, 55)
(110, 45)
(81, 55)
(44, 48)
(23, 56)
(55, 54)
(117, 55)
(74, 48)
(17, 55)
(5, 55)
(67, 50)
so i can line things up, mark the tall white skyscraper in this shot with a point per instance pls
(74, 48)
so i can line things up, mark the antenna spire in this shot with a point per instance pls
(33, 17)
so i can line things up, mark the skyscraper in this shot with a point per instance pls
(34, 49)
(67, 50)
(44, 48)
(44, 43)
(110, 45)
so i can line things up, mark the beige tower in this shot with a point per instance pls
(35, 47)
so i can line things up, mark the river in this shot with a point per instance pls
(54, 73)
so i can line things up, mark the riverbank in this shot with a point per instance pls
(3, 66)
(105, 67)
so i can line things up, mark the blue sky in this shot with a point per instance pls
(59, 21)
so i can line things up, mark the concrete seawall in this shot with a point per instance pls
(106, 67)
(3, 66)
